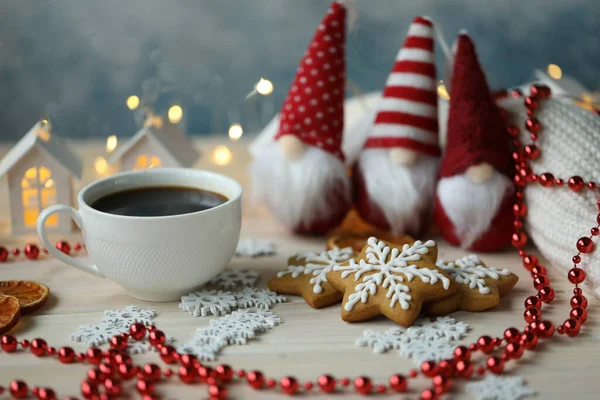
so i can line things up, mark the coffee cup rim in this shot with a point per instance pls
(153, 171)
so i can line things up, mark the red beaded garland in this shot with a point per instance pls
(223, 372)
(3, 254)
(533, 302)
(363, 385)
(289, 385)
(514, 350)
(94, 355)
(585, 245)
(117, 342)
(575, 183)
(144, 387)
(532, 151)
(532, 314)
(398, 383)
(8, 343)
(38, 347)
(327, 383)
(187, 374)
(63, 246)
(151, 372)
(546, 294)
(576, 276)
(255, 379)
(428, 394)
(530, 261)
(18, 389)
(429, 368)
(519, 239)
(495, 364)
(512, 335)
(137, 331)
(464, 369)
(486, 344)
(571, 327)
(529, 340)
(217, 392)
(156, 337)
(539, 281)
(46, 394)
(32, 251)
(579, 301)
(545, 329)
(462, 353)
(88, 389)
(579, 314)
(126, 371)
(66, 355)
(168, 354)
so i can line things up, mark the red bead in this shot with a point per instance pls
(117, 342)
(66, 355)
(289, 385)
(516, 156)
(95, 375)
(585, 245)
(51, 351)
(486, 344)
(519, 240)
(113, 386)
(327, 383)
(559, 182)
(32, 251)
(25, 343)
(514, 350)
(541, 91)
(579, 301)
(441, 383)
(3, 254)
(512, 335)
(591, 185)
(576, 259)
(63, 246)
(46, 394)
(188, 360)
(145, 387)
(150, 328)
(16, 251)
(546, 179)
(539, 281)
(531, 103)
(575, 183)
(381, 389)
(398, 383)
(187, 373)
(18, 389)
(428, 394)
(462, 353)
(571, 327)
(223, 372)
(530, 261)
(595, 231)
(39, 347)
(363, 385)
(533, 302)
(89, 389)
(513, 131)
(545, 329)
(205, 373)
(109, 357)
(516, 93)
(480, 370)
(168, 354)
(241, 373)
(529, 340)
(429, 368)
(106, 369)
(579, 314)
(77, 246)
(217, 392)
(533, 125)
(520, 210)
(546, 294)
(495, 364)
(8, 343)
(126, 371)
(464, 369)
(137, 331)
(94, 355)
(518, 224)
(576, 276)
(156, 337)
(532, 314)
(255, 379)
(446, 367)
(81, 357)
(412, 373)
(151, 372)
(308, 385)
(123, 359)
(519, 181)
(532, 152)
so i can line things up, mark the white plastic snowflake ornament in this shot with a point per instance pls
(261, 298)
(142, 346)
(231, 278)
(420, 350)
(92, 335)
(406, 276)
(495, 387)
(306, 275)
(262, 319)
(132, 314)
(254, 248)
(204, 352)
(381, 342)
(203, 303)
(442, 327)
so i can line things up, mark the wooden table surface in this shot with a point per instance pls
(309, 342)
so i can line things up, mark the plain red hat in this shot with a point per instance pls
(476, 129)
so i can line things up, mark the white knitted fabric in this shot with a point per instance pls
(570, 145)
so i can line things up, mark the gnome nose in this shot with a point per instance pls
(479, 173)
(291, 147)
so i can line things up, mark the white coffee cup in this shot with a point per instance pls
(154, 258)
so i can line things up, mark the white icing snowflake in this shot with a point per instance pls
(254, 248)
(231, 278)
(205, 302)
(425, 350)
(132, 314)
(381, 342)
(318, 265)
(387, 264)
(261, 298)
(442, 327)
(468, 270)
(262, 318)
(495, 387)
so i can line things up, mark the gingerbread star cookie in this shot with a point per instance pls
(391, 280)
(306, 275)
(479, 286)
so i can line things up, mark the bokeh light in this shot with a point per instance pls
(222, 155)
(554, 71)
(133, 102)
(111, 143)
(101, 165)
(175, 114)
(264, 87)
(235, 132)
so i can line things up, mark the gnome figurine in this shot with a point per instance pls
(473, 206)
(396, 172)
(301, 175)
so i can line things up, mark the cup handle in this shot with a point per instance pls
(41, 230)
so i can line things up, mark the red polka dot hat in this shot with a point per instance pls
(313, 110)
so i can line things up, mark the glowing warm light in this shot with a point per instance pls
(111, 143)
(153, 121)
(100, 165)
(44, 121)
(442, 91)
(235, 132)
(554, 71)
(264, 87)
(175, 114)
(133, 102)
(222, 155)
(49, 183)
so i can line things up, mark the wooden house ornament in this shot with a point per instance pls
(40, 169)
(158, 144)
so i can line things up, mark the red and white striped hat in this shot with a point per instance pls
(406, 115)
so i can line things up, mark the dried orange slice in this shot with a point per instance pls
(358, 240)
(31, 295)
(10, 312)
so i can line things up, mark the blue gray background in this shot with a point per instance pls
(76, 61)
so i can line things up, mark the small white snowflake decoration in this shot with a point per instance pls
(205, 302)
(420, 350)
(254, 248)
(381, 342)
(441, 327)
(495, 387)
(469, 270)
(132, 314)
(231, 278)
(261, 298)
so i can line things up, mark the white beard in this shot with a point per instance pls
(402, 193)
(472, 206)
(298, 191)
